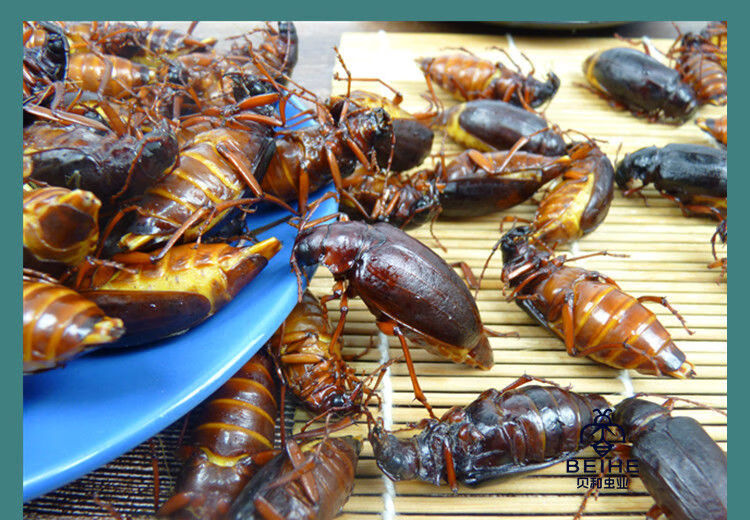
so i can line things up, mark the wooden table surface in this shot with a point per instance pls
(127, 484)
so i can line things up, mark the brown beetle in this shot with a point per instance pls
(412, 292)
(233, 439)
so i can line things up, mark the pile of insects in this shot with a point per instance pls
(145, 149)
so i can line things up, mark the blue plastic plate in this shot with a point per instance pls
(82, 416)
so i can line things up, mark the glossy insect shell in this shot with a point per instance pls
(497, 435)
(236, 424)
(489, 125)
(86, 70)
(471, 191)
(182, 289)
(320, 385)
(641, 83)
(60, 227)
(307, 149)
(413, 140)
(468, 77)
(682, 468)
(418, 199)
(578, 203)
(203, 178)
(400, 278)
(602, 314)
(78, 157)
(270, 496)
(59, 323)
(692, 173)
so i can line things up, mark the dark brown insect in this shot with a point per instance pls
(215, 169)
(681, 467)
(404, 201)
(412, 139)
(188, 285)
(633, 80)
(475, 183)
(60, 228)
(716, 128)
(589, 311)
(313, 484)
(691, 175)
(469, 77)
(307, 159)
(489, 125)
(412, 292)
(500, 434)
(233, 439)
(108, 165)
(59, 324)
(579, 201)
(311, 361)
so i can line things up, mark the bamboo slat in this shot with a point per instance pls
(668, 255)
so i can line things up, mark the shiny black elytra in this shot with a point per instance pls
(682, 468)
(638, 82)
(693, 176)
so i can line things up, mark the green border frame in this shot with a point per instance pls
(10, 199)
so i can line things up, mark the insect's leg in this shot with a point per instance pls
(439, 108)
(197, 215)
(266, 509)
(303, 190)
(338, 291)
(335, 171)
(480, 160)
(457, 86)
(654, 513)
(471, 280)
(568, 322)
(597, 276)
(392, 329)
(301, 359)
(598, 253)
(344, 308)
(355, 357)
(462, 49)
(663, 301)
(450, 468)
(233, 154)
(298, 461)
(155, 470)
(389, 208)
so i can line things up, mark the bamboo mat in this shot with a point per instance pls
(668, 254)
